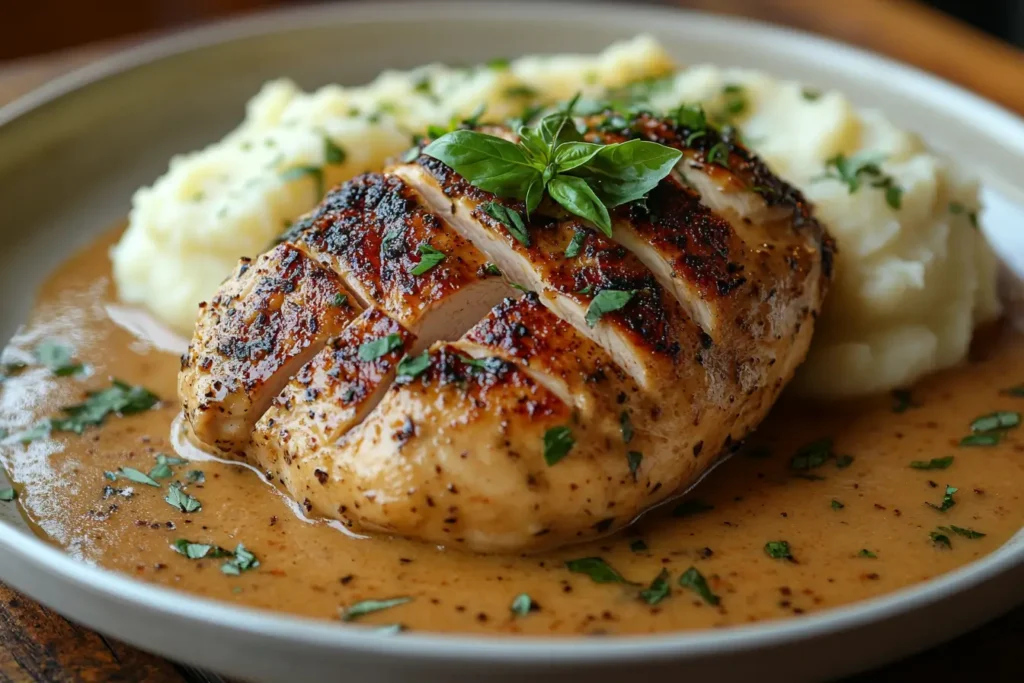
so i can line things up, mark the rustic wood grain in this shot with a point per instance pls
(36, 644)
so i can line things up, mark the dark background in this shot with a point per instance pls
(31, 27)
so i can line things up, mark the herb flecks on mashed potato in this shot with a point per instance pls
(914, 276)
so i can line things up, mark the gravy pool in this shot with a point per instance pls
(857, 525)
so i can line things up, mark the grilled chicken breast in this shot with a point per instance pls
(512, 424)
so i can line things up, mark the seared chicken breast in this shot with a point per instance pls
(445, 404)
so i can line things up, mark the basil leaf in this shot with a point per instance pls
(597, 569)
(933, 464)
(558, 441)
(374, 349)
(359, 609)
(512, 221)
(570, 155)
(242, 560)
(534, 195)
(485, 161)
(430, 257)
(559, 127)
(626, 171)
(198, 551)
(413, 366)
(575, 244)
(696, 582)
(537, 150)
(606, 301)
(658, 590)
(576, 197)
(522, 605)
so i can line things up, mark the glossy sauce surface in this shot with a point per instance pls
(829, 514)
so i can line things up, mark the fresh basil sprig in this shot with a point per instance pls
(585, 178)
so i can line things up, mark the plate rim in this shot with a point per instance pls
(468, 647)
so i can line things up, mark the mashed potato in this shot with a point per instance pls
(914, 276)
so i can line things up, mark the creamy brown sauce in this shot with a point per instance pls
(313, 569)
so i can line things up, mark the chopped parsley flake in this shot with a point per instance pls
(58, 358)
(181, 500)
(597, 569)
(359, 609)
(696, 582)
(659, 589)
(195, 477)
(575, 244)
(162, 469)
(638, 546)
(627, 426)
(198, 551)
(491, 269)
(812, 455)
(429, 257)
(991, 439)
(339, 299)
(333, 154)
(374, 349)
(836, 505)
(118, 399)
(957, 208)
(933, 464)
(521, 90)
(962, 531)
(633, 460)
(522, 605)
(313, 172)
(940, 539)
(947, 500)
(411, 367)
(511, 219)
(242, 560)
(558, 441)
(132, 474)
(1003, 419)
(867, 553)
(778, 550)
(607, 301)
(865, 165)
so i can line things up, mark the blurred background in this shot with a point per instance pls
(40, 26)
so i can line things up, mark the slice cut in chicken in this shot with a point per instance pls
(393, 252)
(326, 398)
(268, 319)
(635, 362)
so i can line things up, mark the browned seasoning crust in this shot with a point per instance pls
(725, 267)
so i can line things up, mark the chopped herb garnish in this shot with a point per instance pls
(778, 550)
(947, 500)
(578, 238)
(162, 469)
(692, 506)
(412, 154)
(374, 349)
(659, 589)
(696, 582)
(298, 172)
(933, 464)
(339, 299)
(8, 494)
(939, 538)
(867, 553)
(558, 441)
(429, 257)
(989, 439)
(865, 165)
(195, 477)
(957, 208)
(512, 221)
(181, 500)
(812, 455)
(522, 604)
(633, 460)
(491, 269)
(198, 551)
(963, 531)
(597, 569)
(607, 301)
(584, 178)
(413, 366)
(836, 505)
(1003, 419)
(638, 546)
(626, 425)
(844, 461)
(810, 94)
(498, 64)
(359, 609)
(132, 474)
(520, 90)
(718, 154)
(57, 358)
(390, 629)
(333, 154)
(586, 289)
(491, 364)
(242, 560)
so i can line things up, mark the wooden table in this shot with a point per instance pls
(37, 644)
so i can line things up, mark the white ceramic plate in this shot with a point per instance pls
(72, 153)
